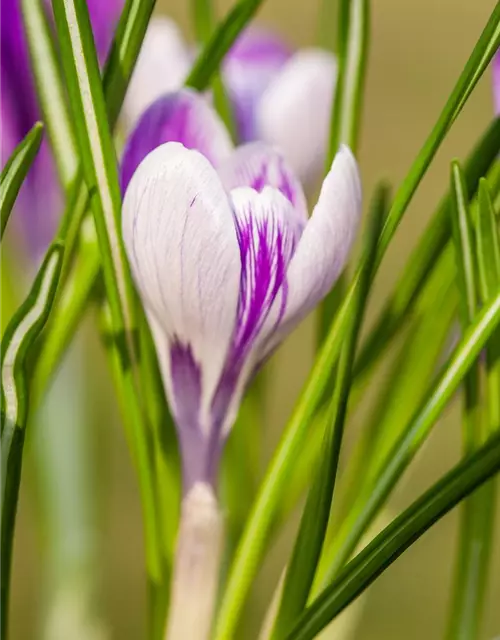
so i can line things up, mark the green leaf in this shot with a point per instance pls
(464, 242)
(477, 518)
(425, 255)
(353, 42)
(404, 387)
(358, 574)
(68, 313)
(100, 171)
(16, 170)
(204, 23)
(314, 522)
(50, 91)
(17, 342)
(220, 42)
(414, 434)
(478, 62)
(488, 244)
(253, 539)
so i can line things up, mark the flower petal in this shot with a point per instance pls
(294, 112)
(250, 65)
(496, 82)
(183, 116)
(325, 244)
(104, 18)
(161, 68)
(257, 165)
(267, 242)
(180, 238)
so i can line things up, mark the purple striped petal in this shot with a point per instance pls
(257, 165)
(180, 237)
(267, 242)
(251, 64)
(295, 110)
(183, 117)
(161, 68)
(496, 82)
(325, 244)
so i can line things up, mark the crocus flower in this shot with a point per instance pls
(39, 199)
(225, 259)
(279, 96)
(496, 81)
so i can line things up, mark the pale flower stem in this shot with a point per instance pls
(196, 566)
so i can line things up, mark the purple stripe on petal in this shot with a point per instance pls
(200, 454)
(183, 116)
(251, 64)
(267, 243)
(496, 82)
(258, 165)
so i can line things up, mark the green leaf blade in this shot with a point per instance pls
(17, 342)
(314, 522)
(16, 170)
(358, 574)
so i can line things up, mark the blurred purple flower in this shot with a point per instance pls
(225, 259)
(279, 96)
(496, 82)
(39, 199)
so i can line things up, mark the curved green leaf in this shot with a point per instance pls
(373, 496)
(358, 574)
(309, 542)
(16, 170)
(17, 342)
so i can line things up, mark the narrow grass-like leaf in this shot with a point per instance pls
(358, 574)
(479, 60)
(412, 437)
(403, 389)
(17, 342)
(477, 519)
(353, 41)
(220, 42)
(204, 23)
(253, 539)
(464, 243)
(314, 522)
(50, 90)
(426, 253)
(100, 171)
(72, 302)
(16, 170)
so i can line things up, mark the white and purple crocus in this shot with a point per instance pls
(39, 200)
(225, 258)
(227, 262)
(279, 96)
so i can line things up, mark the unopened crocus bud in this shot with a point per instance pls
(39, 201)
(279, 96)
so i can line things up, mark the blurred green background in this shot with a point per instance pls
(417, 51)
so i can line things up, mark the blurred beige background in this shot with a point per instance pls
(417, 52)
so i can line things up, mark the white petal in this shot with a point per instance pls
(295, 110)
(258, 165)
(326, 242)
(180, 237)
(162, 66)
